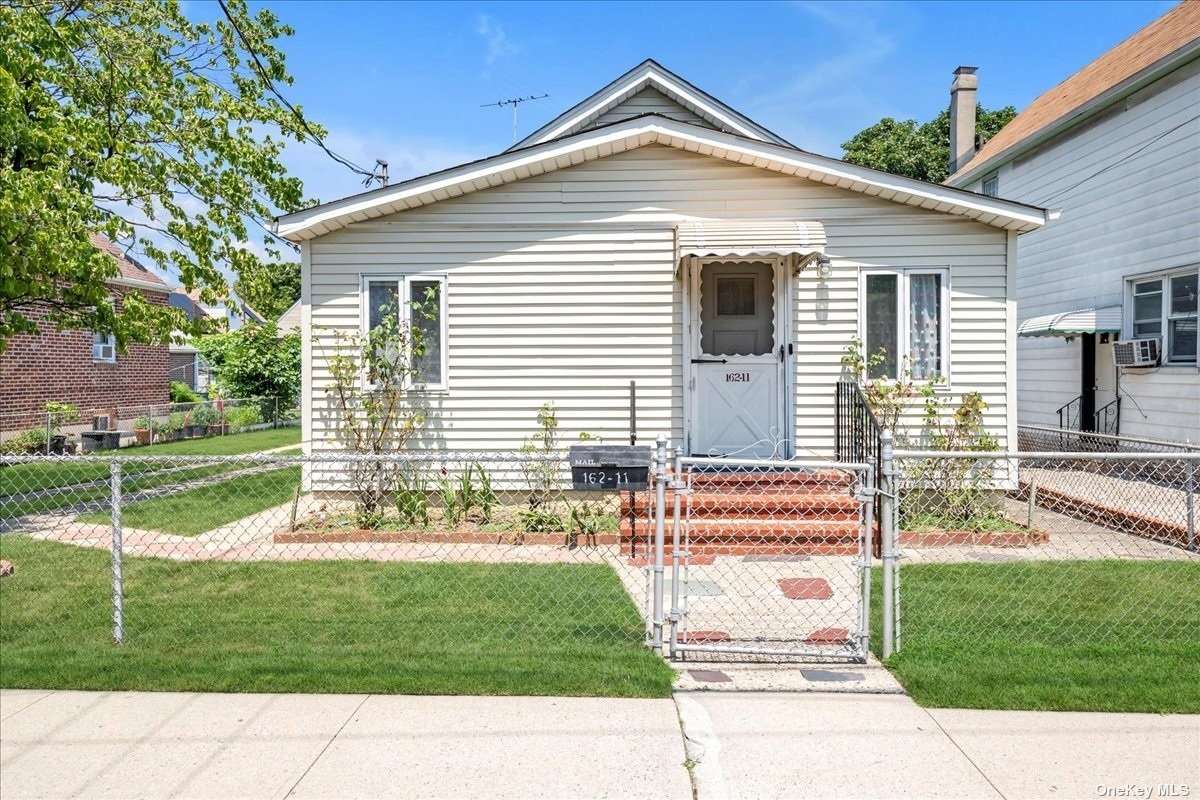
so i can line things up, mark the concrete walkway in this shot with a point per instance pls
(738, 744)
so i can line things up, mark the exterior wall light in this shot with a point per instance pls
(824, 267)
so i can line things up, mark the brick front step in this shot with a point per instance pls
(789, 505)
(747, 480)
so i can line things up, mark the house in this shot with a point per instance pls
(187, 365)
(1116, 147)
(289, 321)
(81, 367)
(653, 234)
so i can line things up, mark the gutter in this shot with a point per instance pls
(1134, 83)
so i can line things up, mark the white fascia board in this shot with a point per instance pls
(649, 130)
(136, 284)
(649, 77)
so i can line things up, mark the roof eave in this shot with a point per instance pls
(648, 130)
(1115, 94)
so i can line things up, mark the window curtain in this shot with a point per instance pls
(925, 298)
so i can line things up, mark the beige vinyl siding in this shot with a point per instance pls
(1140, 215)
(648, 101)
(563, 288)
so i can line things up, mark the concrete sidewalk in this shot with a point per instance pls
(739, 744)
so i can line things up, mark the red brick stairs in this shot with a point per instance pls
(811, 512)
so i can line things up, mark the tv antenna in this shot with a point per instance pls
(514, 102)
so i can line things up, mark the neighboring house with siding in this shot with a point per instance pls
(1116, 147)
(81, 367)
(653, 234)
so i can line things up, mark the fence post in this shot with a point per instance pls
(660, 496)
(118, 580)
(887, 499)
(1190, 489)
(49, 429)
(275, 418)
(677, 488)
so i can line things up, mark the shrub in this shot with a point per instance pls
(412, 500)
(142, 423)
(28, 442)
(182, 393)
(205, 415)
(242, 417)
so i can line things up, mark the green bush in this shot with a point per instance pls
(182, 393)
(27, 442)
(205, 415)
(242, 417)
(174, 423)
(142, 423)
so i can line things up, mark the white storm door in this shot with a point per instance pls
(737, 361)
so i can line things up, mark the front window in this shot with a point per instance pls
(905, 319)
(1166, 306)
(417, 302)
(991, 185)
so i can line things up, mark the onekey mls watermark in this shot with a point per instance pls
(1144, 790)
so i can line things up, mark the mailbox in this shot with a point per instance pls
(610, 468)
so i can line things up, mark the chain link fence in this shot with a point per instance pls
(261, 556)
(64, 429)
(1096, 546)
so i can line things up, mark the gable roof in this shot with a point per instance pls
(511, 166)
(131, 272)
(649, 74)
(1161, 47)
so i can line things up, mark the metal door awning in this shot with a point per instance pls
(801, 240)
(1073, 323)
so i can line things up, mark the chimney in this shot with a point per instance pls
(963, 100)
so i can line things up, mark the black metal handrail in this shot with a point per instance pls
(1068, 414)
(1108, 419)
(858, 438)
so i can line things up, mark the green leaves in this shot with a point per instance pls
(917, 150)
(125, 117)
(255, 361)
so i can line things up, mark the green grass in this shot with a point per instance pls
(1058, 635)
(922, 522)
(234, 444)
(328, 626)
(194, 511)
(20, 478)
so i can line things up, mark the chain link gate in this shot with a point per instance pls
(755, 557)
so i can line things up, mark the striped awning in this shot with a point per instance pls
(1074, 323)
(751, 237)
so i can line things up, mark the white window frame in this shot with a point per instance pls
(102, 339)
(902, 316)
(402, 280)
(1165, 314)
(993, 179)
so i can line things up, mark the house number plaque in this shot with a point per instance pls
(610, 468)
(737, 377)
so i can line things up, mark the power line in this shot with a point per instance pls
(1119, 161)
(514, 102)
(262, 73)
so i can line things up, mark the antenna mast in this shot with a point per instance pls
(514, 102)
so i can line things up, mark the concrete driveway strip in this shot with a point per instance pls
(1035, 754)
(132, 745)
(14, 700)
(503, 747)
(798, 745)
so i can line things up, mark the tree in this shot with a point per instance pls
(270, 288)
(127, 118)
(917, 150)
(254, 361)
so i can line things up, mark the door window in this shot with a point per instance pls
(737, 309)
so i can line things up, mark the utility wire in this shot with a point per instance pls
(262, 73)
(1118, 162)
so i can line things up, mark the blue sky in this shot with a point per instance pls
(405, 81)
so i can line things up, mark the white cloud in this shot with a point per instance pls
(498, 43)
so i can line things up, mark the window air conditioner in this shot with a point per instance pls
(1137, 352)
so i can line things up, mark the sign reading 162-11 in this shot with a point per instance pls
(610, 468)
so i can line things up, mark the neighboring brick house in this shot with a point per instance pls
(81, 367)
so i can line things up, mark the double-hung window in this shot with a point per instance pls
(1167, 306)
(417, 303)
(905, 316)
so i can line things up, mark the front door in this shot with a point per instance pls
(738, 360)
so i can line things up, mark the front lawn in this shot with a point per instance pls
(233, 444)
(321, 626)
(1057, 635)
(193, 511)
